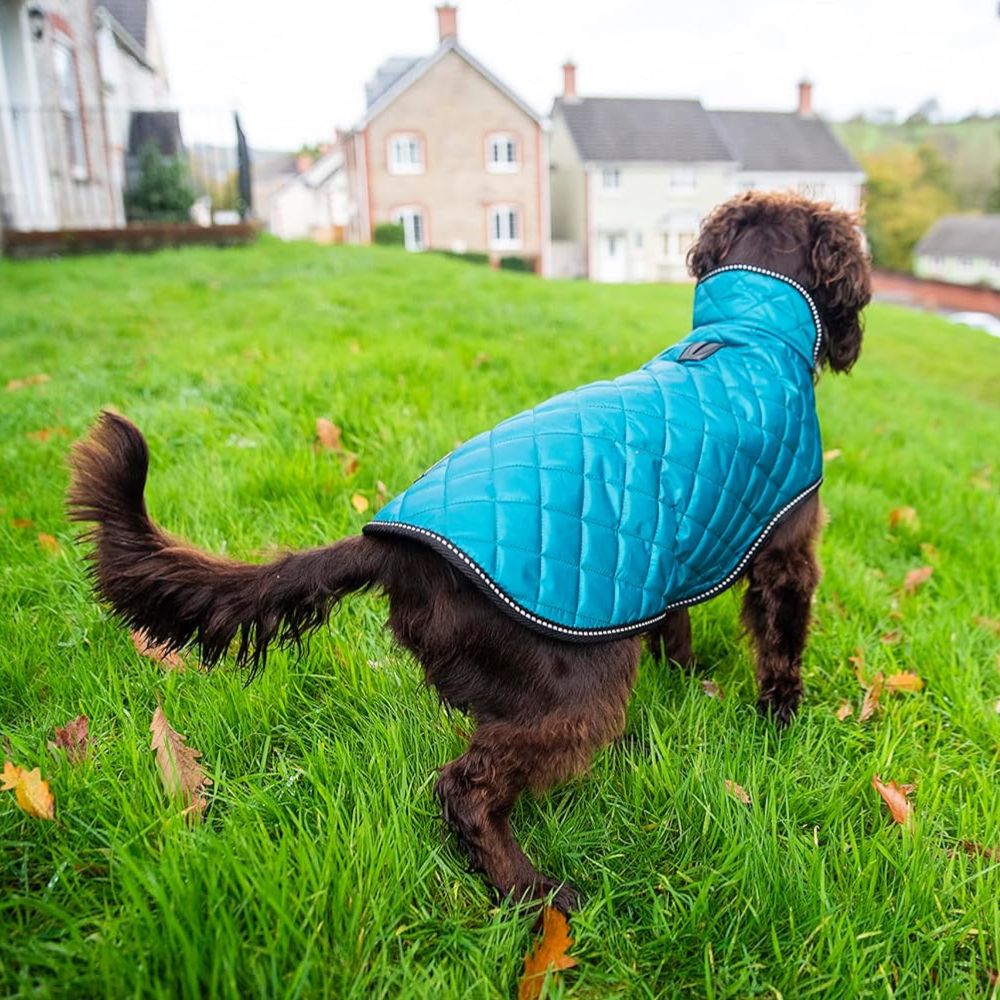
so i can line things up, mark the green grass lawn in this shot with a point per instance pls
(321, 868)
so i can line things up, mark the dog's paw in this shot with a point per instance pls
(780, 706)
(560, 896)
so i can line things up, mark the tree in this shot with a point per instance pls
(163, 192)
(907, 190)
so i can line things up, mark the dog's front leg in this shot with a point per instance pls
(776, 609)
(670, 639)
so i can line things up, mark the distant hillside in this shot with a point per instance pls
(971, 148)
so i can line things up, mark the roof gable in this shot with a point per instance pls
(963, 236)
(642, 129)
(132, 15)
(778, 141)
(405, 80)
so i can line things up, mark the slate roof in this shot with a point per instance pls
(963, 236)
(132, 15)
(613, 129)
(386, 75)
(774, 140)
(650, 129)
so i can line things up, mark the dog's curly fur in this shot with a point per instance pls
(542, 707)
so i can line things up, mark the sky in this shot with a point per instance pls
(296, 70)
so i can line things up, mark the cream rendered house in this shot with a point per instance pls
(632, 178)
(449, 151)
(963, 249)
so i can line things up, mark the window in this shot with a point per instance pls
(683, 179)
(677, 242)
(502, 153)
(414, 230)
(611, 178)
(406, 154)
(505, 228)
(70, 110)
(637, 239)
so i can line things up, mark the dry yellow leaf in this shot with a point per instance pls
(845, 711)
(737, 792)
(359, 502)
(895, 797)
(832, 454)
(48, 542)
(905, 680)
(916, 578)
(549, 953)
(30, 791)
(712, 689)
(180, 772)
(21, 383)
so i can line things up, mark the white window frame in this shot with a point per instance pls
(500, 147)
(611, 179)
(405, 153)
(683, 179)
(414, 231)
(70, 107)
(504, 227)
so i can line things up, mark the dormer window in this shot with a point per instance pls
(502, 153)
(406, 153)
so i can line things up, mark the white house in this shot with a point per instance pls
(313, 204)
(963, 249)
(71, 73)
(632, 178)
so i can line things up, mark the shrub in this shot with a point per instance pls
(163, 192)
(389, 234)
(517, 264)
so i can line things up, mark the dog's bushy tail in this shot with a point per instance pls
(179, 595)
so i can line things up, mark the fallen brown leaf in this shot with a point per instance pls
(981, 479)
(549, 953)
(73, 738)
(979, 851)
(328, 434)
(916, 578)
(904, 680)
(737, 792)
(895, 797)
(168, 659)
(996, 707)
(22, 383)
(832, 454)
(381, 493)
(48, 542)
(30, 791)
(873, 692)
(349, 463)
(990, 624)
(891, 638)
(845, 711)
(929, 551)
(359, 502)
(903, 515)
(46, 433)
(22, 522)
(180, 772)
(712, 689)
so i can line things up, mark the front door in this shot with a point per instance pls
(612, 249)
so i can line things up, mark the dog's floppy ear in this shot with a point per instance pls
(840, 279)
(719, 232)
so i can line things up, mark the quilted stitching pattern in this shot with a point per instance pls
(602, 506)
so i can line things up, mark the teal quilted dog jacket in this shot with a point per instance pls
(593, 514)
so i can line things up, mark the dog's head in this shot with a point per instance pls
(817, 245)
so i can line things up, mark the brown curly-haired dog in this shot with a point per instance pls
(542, 706)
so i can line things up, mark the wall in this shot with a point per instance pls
(907, 290)
(959, 270)
(454, 108)
(647, 213)
(844, 190)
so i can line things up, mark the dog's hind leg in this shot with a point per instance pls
(533, 750)
(776, 609)
(670, 639)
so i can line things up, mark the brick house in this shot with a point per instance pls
(632, 178)
(71, 72)
(448, 150)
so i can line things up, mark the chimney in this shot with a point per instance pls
(569, 80)
(805, 98)
(447, 22)
(303, 162)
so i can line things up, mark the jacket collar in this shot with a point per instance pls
(742, 295)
